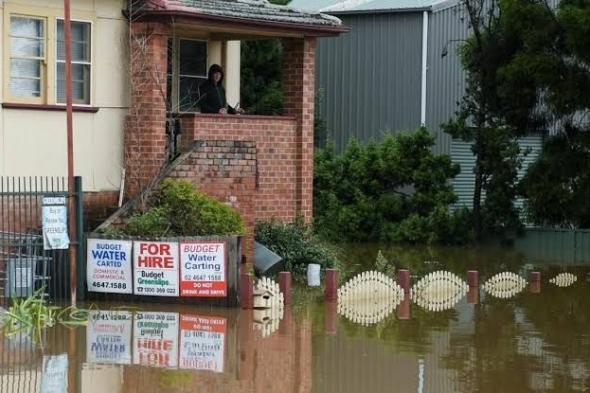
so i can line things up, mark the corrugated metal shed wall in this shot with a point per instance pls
(445, 77)
(464, 183)
(370, 77)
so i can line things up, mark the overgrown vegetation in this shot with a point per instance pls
(31, 315)
(296, 244)
(180, 210)
(395, 190)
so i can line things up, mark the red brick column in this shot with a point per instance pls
(145, 131)
(299, 95)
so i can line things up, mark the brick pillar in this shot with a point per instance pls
(299, 99)
(145, 131)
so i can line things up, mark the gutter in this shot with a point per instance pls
(424, 68)
(311, 30)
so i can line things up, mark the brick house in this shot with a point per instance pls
(138, 63)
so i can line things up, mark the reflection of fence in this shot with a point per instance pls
(561, 246)
(25, 265)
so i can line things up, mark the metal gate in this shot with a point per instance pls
(26, 264)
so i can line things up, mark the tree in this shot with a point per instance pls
(556, 55)
(543, 82)
(261, 88)
(480, 120)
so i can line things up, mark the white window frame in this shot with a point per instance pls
(175, 91)
(43, 69)
(90, 63)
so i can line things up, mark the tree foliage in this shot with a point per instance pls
(531, 67)
(261, 89)
(393, 190)
(482, 119)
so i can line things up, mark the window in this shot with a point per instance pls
(81, 65)
(27, 57)
(187, 69)
(34, 56)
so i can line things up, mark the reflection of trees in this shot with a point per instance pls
(540, 342)
(422, 260)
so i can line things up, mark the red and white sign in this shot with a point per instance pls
(202, 342)
(156, 268)
(203, 269)
(155, 339)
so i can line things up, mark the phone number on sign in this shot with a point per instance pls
(110, 285)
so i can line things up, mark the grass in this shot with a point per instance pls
(31, 315)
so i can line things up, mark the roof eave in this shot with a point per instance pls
(307, 30)
(379, 11)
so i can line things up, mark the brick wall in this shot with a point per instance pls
(145, 128)
(299, 101)
(225, 170)
(274, 141)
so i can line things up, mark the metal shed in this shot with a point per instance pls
(397, 68)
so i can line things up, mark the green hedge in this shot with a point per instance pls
(395, 190)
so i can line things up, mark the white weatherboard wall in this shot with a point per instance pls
(33, 142)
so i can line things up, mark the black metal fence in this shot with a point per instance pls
(28, 263)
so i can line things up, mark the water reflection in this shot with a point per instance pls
(155, 351)
(531, 343)
(505, 285)
(564, 280)
(369, 298)
(439, 291)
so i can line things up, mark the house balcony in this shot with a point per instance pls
(262, 165)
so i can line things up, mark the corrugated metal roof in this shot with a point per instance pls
(361, 6)
(260, 10)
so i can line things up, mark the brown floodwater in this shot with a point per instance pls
(535, 340)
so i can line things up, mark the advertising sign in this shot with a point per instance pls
(156, 268)
(203, 269)
(55, 223)
(109, 266)
(155, 339)
(55, 374)
(202, 342)
(108, 337)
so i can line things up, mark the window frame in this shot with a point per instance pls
(175, 88)
(49, 80)
(90, 63)
(44, 72)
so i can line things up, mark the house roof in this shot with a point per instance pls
(259, 12)
(366, 6)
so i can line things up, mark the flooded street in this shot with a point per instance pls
(537, 340)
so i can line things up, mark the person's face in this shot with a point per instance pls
(216, 77)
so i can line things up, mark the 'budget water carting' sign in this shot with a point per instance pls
(109, 266)
(156, 268)
(108, 337)
(202, 342)
(203, 269)
(155, 339)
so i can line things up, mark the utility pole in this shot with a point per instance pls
(69, 125)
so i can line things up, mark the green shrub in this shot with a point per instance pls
(182, 211)
(296, 244)
(394, 190)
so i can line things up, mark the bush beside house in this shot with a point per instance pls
(180, 210)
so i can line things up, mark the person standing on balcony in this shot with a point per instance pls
(212, 94)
